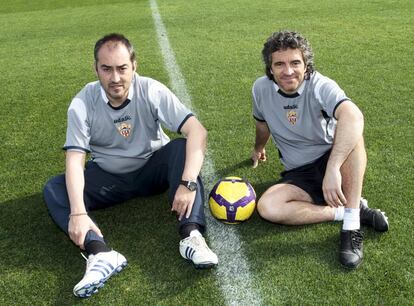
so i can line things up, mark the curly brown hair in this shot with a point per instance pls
(283, 40)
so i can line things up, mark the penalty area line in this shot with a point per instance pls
(233, 273)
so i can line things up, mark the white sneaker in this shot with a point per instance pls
(195, 249)
(99, 268)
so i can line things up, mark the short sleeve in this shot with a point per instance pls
(257, 113)
(329, 95)
(168, 108)
(78, 130)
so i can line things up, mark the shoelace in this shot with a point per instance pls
(83, 255)
(88, 260)
(198, 241)
(356, 238)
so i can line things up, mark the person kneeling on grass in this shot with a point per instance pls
(117, 119)
(318, 131)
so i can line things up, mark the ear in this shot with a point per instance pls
(271, 71)
(135, 66)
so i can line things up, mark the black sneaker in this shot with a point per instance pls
(350, 254)
(373, 217)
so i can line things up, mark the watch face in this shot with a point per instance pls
(192, 186)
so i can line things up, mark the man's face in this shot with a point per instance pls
(288, 69)
(115, 71)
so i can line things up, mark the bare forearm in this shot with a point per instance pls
(349, 132)
(262, 136)
(195, 151)
(75, 183)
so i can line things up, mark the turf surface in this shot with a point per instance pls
(46, 57)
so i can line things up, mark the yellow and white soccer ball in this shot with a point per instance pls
(232, 200)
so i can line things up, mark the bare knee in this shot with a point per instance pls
(270, 208)
(276, 204)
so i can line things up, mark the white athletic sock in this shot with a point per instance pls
(351, 219)
(339, 213)
(195, 233)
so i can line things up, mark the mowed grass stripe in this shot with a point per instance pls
(233, 271)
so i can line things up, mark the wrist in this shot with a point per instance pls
(258, 147)
(189, 177)
(333, 165)
(77, 214)
(190, 184)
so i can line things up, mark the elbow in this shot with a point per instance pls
(204, 137)
(203, 133)
(359, 118)
(198, 134)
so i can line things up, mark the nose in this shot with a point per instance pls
(289, 70)
(115, 78)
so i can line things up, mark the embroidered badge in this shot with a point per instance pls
(292, 117)
(125, 129)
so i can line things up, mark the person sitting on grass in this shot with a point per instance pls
(118, 121)
(318, 131)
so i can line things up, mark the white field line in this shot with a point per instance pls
(233, 272)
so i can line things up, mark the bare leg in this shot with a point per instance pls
(352, 171)
(291, 205)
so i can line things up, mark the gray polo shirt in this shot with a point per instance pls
(122, 140)
(302, 125)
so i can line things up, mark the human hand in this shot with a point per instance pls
(79, 226)
(183, 202)
(332, 188)
(258, 155)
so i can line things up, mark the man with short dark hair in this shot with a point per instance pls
(318, 131)
(118, 121)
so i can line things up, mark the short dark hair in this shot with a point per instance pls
(283, 40)
(115, 37)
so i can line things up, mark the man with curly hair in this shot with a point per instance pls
(318, 132)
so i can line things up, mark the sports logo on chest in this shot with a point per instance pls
(292, 117)
(291, 114)
(124, 128)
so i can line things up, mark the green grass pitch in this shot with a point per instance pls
(46, 58)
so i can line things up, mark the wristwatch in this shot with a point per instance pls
(191, 185)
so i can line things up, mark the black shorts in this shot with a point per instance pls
(309, 178)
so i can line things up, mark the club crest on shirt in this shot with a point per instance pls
(292, 116)
(124, 129)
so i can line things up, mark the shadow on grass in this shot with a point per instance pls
(247, 163)
(317, 242)
(39, 263)
(304, 248)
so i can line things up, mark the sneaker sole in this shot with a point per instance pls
(204, 266)
(89, 289)
(201, 266)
